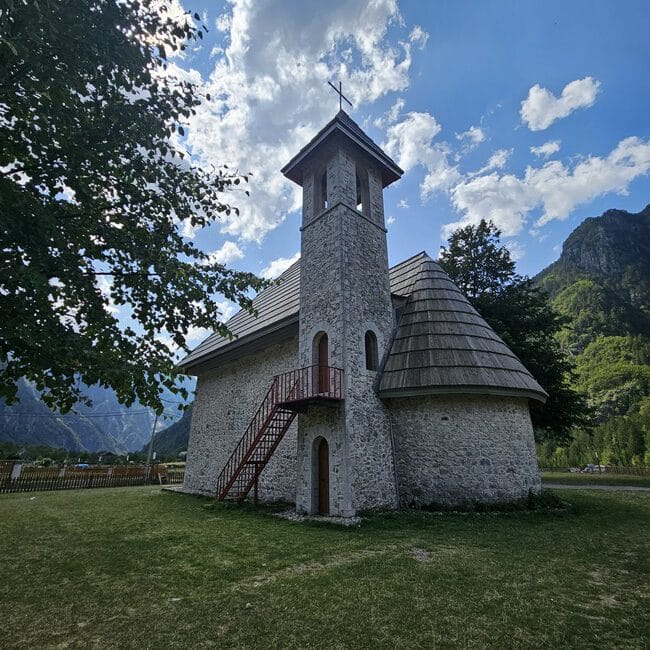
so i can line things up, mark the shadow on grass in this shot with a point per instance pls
(545, 503)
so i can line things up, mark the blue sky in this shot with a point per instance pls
(534, 114)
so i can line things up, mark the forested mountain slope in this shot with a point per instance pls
(601, 283)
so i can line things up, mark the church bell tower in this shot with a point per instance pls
(345, 451)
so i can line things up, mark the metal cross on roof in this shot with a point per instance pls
(339, 91)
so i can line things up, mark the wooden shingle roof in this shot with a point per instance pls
(277, 307)
(442, 345)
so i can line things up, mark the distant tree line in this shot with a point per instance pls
(43, 455)
(622, 440)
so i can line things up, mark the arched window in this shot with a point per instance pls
(363, 196)
(321, 191)
(372, 356)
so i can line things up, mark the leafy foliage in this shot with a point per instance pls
(593, 311)
(614, 372)
(521, 314)
(95, 193)
(477, 262)
(621, 440)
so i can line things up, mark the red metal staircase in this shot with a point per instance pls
(290, 393)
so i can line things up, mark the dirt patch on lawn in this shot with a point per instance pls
(420, 554)
(314, 567)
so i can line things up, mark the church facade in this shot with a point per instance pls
(357, 385)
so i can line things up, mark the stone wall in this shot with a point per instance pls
(323, 422)
(226, 399)
(366, 296)
(455, 450)
(345, 292)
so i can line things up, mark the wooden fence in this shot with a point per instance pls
(19, 477)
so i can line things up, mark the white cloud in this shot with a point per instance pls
(403, 204)
(269, 94)
(227, 309)
(419, 37)
(517, 250)
(473, 136)
(228, 253)
(390, 221)
(541, 108)
(555, 189)
(562, 190)
(392, 115)
(497, 160)
(195, 335)
(188, 230)
(278, 266)
(411, 142)
(223, 22)
(503, 199)
(547, 149)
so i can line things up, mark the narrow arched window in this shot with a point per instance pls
(372, 356)
(363, 196)
(322, 195)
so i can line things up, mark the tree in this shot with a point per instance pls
(95, 191)
(477, 262)
(522, 316)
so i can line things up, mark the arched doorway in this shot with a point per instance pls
(323, 477)
(321, 354)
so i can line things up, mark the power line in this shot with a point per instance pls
(171, 401)
(81, 415)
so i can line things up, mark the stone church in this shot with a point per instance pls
(357, 385)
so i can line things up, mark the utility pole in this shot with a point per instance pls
(149, 454)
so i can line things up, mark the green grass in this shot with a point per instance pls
(595, 479)
(140, 568)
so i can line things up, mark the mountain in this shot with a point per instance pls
(601, 284)
(613, 249)
(602, 280)
(107, 425)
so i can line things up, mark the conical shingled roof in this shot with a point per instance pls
(443, 346)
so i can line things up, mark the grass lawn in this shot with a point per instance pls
(595, 479)
(141, 568)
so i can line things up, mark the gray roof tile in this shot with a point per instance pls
(442, 344)
(281, 302)
(343, 123)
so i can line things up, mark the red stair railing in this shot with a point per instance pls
(271, 421)
(311, 382)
